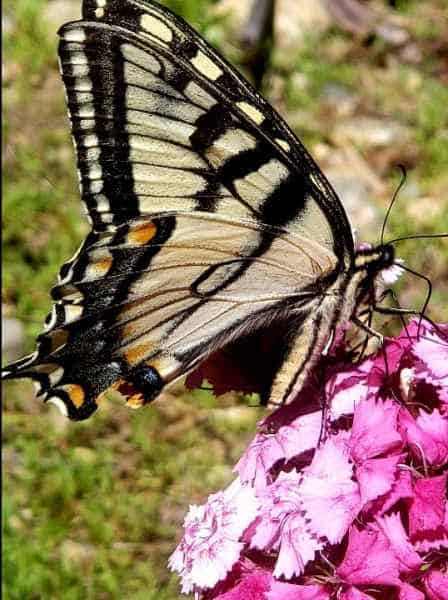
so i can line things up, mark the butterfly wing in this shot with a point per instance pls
(209, 218)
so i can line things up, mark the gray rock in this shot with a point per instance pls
(392, 33)
(370, 132)
(13, 338)
(296, 19)
(340, 99)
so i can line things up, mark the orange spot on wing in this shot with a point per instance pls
(138, 352)
(128, 330)
(142, 234)
(103, 264)
(134, 399)
(75, 393)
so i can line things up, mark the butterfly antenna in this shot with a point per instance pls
(418, 236)
(395, 196)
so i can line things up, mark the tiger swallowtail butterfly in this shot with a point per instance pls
(210, 222)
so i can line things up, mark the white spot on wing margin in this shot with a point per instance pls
(59, 403)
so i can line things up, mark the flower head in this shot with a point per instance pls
(353, 507)
(211, 544)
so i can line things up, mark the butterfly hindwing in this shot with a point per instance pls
(209, 218)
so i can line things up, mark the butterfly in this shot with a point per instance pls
(210, 222)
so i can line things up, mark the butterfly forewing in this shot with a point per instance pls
(209, 218)
(198, 68)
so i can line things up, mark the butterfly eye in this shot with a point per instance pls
(388, 255)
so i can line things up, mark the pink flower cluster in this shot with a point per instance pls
(353, 509)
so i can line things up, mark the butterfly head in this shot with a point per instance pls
(371, 265)
(374, 259)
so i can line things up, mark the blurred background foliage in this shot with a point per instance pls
(92, 510)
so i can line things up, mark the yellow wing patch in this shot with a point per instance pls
(283, 144)
(75, 392)
(134, 399)
(156, 27)
(101, 267)
(206, 66)
(252, 112)
(142, 234)
(138, 352)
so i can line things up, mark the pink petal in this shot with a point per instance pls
(298, 547)
(346, 387)
(243, 506)
(436, 585)
(266, 535)
(369, 559)
(427, 436)
(261, 454)
(432, 349)
(302, 435)
(394, 349)
(401, 488)
(212, 565)
(429, 354)
(353, 593)
(289, 591)
(409, 592)
(376, 476)
(346, 400)
(268, 448)
(443, 398)
(392, 527)
(436, 540)
(278, 501)
(282, 526)
(374, 431)
(252, 585)
(427, 509)
(211, 543)
(328, 494)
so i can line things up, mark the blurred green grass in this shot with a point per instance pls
(92, 510)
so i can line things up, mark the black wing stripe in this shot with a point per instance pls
(281, 206)
(210, 126)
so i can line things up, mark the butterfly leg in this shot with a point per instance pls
(368, 329)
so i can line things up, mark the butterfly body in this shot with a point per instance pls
(210, 221)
